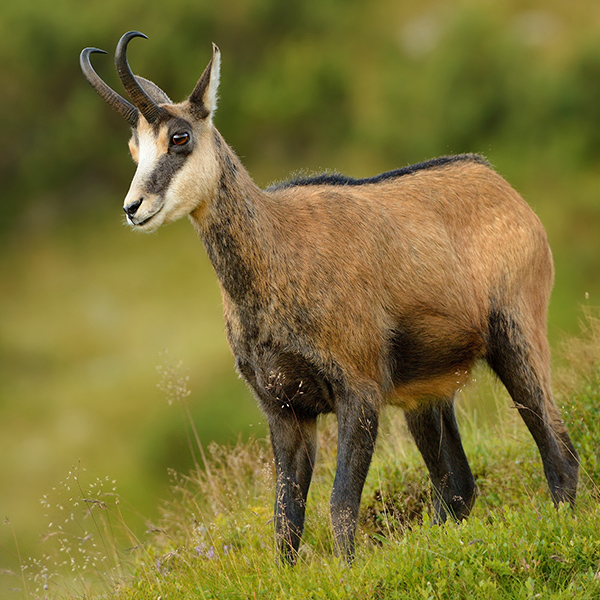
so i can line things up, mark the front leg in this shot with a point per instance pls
(358, 421)
(294, 442)
(291, 393)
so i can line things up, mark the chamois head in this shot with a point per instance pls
(171, 143)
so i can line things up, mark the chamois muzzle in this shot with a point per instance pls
(131, 209)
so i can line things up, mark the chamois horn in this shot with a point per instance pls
(151, 111)
(129, 112)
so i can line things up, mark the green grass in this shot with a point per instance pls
(214, 538)
(87, 316)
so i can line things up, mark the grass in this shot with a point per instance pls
(79, 346)
(214, 538)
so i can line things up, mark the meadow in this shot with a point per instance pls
(214, 537)
(100, 328)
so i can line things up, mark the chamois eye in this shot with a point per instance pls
(179, 139)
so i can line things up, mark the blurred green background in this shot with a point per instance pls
(91, 313)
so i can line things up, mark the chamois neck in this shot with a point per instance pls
(231, 228)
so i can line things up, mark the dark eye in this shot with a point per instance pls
(179, 139)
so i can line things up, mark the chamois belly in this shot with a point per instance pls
(430, 363)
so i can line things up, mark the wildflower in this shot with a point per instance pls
(205, 552)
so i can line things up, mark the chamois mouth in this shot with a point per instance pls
(141, 223)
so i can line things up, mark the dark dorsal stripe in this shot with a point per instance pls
(341, 180)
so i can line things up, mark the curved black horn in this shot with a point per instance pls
(140, 98)
(124, 108)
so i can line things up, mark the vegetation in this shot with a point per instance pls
(518, 84)
(214, 538)
(88, 310)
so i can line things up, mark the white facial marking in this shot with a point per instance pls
(149, 150)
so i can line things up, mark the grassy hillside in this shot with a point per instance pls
(214, 538)
(93, 318)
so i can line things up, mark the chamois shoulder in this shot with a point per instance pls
(337, 179)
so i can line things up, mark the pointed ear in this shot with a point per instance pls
(203, 99)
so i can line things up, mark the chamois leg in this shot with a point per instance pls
(436, 434)
(357, 431)
(522, 364)
(294, 442)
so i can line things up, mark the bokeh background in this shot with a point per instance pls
(92, 316)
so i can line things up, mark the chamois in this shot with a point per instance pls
(342, 295)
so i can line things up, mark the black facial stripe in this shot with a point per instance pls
(177, 125)
(171, 162)
(166, 168)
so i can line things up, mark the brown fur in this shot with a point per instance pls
(444, 234)
(343, 295)
(332, 273)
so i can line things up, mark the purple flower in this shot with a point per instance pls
(204, 551)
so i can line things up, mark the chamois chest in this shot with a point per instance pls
(271, 361)
(285, 381)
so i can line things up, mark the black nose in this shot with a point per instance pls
(131, 209)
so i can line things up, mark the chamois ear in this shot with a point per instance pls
(153, 91)
(203, 99)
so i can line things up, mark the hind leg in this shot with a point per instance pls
(436, 434)
(522, 364)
